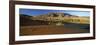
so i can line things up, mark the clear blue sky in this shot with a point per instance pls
(33, 12)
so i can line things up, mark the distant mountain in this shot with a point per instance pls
(36, 20)
(42, 19)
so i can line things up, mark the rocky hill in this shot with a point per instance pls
(45, 19)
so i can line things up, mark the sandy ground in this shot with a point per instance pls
(49, 29)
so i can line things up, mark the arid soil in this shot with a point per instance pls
(49, 29)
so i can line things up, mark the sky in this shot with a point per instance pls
(35, 12)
